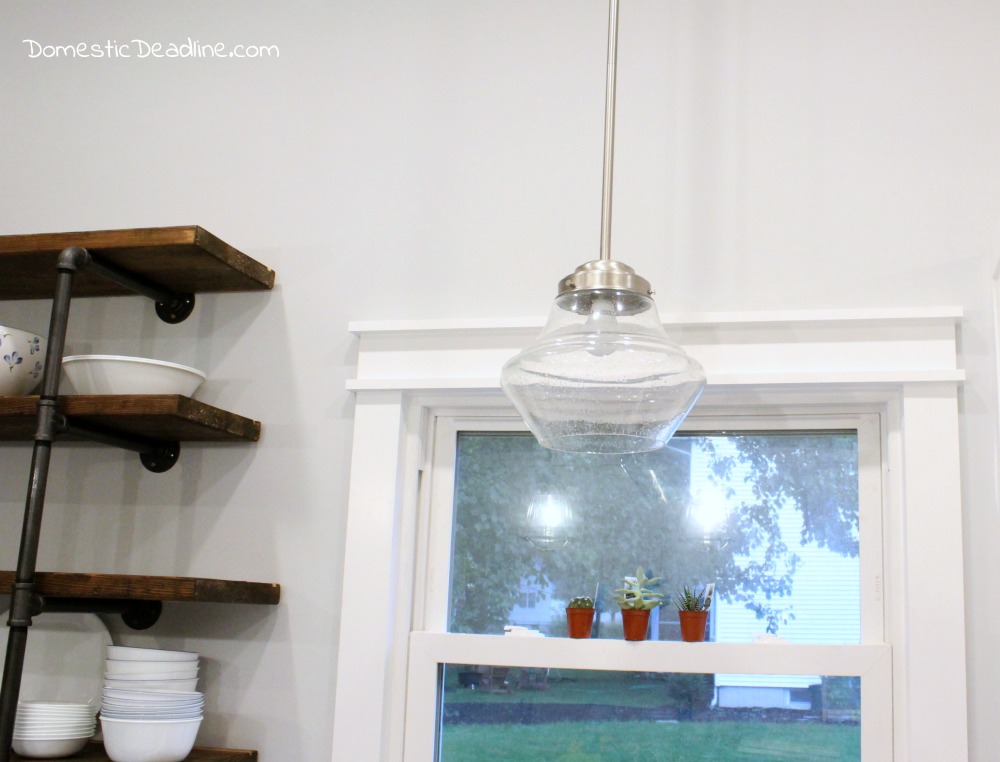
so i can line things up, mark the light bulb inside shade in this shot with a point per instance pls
(602, 325)
(622, 388)
(549, 522)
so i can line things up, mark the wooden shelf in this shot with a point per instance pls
(94, 752)
(142, 588)
(164, 418)
(185, 259)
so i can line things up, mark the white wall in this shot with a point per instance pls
(442, 159)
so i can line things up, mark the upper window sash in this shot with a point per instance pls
(433, 575)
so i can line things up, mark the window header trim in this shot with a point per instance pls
(811, 349)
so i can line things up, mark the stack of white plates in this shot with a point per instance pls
(151, 705)
(46, 729)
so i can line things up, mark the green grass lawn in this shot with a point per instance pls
(538, 737)
(651, 742)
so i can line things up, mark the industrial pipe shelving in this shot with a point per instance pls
(169, 266)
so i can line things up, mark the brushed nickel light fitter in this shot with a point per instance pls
(603, 376)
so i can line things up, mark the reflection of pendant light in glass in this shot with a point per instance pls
(603, 376)
(708, 516)
(549, 522)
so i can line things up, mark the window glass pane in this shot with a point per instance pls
(514, 713)
(770, 518)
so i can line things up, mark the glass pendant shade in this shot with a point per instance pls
(549, 522)
(603, 376)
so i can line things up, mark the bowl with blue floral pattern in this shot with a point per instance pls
(22, 358)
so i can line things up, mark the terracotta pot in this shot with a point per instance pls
(580, 622)
(636, 623)
(693, 625)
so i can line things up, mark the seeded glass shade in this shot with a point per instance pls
(603, 376)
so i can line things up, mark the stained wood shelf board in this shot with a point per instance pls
(94, 752)
(165, 418)
(148, 588)
(185, 259)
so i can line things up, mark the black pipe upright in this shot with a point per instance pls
(23, 599)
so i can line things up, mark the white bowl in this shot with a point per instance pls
(131, 653)
(149, 740)
(68, 714)
(153, 685)
(114, 374)
(155, 697)
(33, 735)
(142, 706)
(22, 359)
(55, 706)
(49, 748)
(114, 696)
(186, 674)
(39, 735)
(53, 723)
(123, 714)
(135, 667)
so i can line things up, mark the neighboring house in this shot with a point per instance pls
(824, 603)
(534, 608)
(822, 608)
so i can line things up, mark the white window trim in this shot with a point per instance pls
(904, 363)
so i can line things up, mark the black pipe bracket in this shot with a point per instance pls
(171, 306)
(176, 310)
(155, 456)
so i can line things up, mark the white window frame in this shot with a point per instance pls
(902, 364)
(431, 644)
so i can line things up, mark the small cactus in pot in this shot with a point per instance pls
(580, 616)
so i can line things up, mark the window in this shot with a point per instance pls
(528, 595)
(900, 365)
(768, 509)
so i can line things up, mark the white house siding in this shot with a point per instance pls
(825, 601)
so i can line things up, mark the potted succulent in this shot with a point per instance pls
(636, 600)
(692, 611)
(580, 616)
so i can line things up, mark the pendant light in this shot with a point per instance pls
(603, 376)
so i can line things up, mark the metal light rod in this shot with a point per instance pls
(609, 131)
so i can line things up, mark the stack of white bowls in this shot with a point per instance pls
(150, 669)
(47, 729)
(150, 710)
